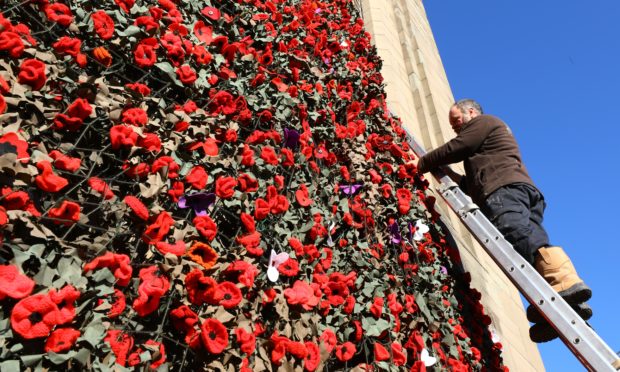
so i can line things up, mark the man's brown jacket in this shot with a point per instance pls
(490, 154)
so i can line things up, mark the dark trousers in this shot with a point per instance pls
(517, 212)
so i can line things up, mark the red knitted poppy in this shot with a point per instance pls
(34, 316)
(246, 339)
(48, 181)
(159, 229)
(345, 351)
(200, 288)
(101, 187)
(313, 358)
(186, 74)
(32, 72)
(122, 135)
(59, 13)
(62, 339)
(228, 295)
(12, 42)
(214, 336)
(197, 177)
(119, 264)
(67, 213)
(14, 284)
(120, 343)
(104, 24)
(64, 162)
(138, 208)
(152, 287)
(205, 226)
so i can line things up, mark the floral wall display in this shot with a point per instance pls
(216, 185)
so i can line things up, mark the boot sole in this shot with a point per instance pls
(576, 294)
(582, 309)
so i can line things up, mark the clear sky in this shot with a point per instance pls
(551, 70)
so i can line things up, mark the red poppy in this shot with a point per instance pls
(64, 121)
(20, 145)
(64, 162)
(329, 340)
(126, 5)
(313, 356)
(176, 190)
(2, 104)
(11, 42)
(345, 351)
(122, 135)
(186, 74)
(211, 13)
(138, 208)
(246, 339)
(399, 356)
(104, 24)
(381, 353)
(62, 339)
(67, 213)
(247, 183)
(214, 336)
(203, 255)
(119, 302)
(222, 102)
(152, 287)
(203, 33)
(149, 142)
(247, 272)
(159, 229)
(228, 295)
(135, 116)
(197, 177)
(65, 300)
(14, 284)
(68, 45)
(200, 288)
(251, 242)
(377, 307)
(145, 54)
(168, 165)
(225, 187)
(289, 268)
(302, 196)
(34, 316)
(404, 200)
(177, 248)
(139, 88)
(119, 264)
(120, 343)
(32, 72)
(269, 155)
(59, 13)
(101, 187)
(205, 226)
(247, 156)
(48, 181)
(184, 319)
(301, 293)
(248, 222)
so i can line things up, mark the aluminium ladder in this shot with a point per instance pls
(587, 346)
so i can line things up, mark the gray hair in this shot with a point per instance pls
(467, 103)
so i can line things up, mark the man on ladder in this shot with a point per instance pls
(497, 181)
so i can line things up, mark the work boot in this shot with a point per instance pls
(582, 309)
(557, 269)
(542, 332)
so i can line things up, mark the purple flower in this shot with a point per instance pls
(291, 138)
(395, 233)
(199, 201)
(350, 189)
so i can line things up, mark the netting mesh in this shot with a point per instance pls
(282, 97)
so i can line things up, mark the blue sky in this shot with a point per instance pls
(551, 70)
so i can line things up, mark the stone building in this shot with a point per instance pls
(418, 92)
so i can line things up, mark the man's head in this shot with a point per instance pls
(462, 112)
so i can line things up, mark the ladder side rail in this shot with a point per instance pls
(583, 342)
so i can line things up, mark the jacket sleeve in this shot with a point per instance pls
(457, 149)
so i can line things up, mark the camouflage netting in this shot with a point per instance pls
(215, 185)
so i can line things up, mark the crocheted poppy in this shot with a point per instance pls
(34, 316)
(377, 307)
(119, 302)
(20, 145)
(32, 72)
(152, 287)
(126, 5)
(101, 187)
(48, 181)
(228, 295)
(345, 351)
(65, 162)
(205, 226)
(120, 343)
(201, 288)
(12, 42)
(122, 135)
(62, 339)
(119, 264)
(381, 353)
(301, 293)
(203, 255)
(211, 13)
(399, 355)
(149, 142)
(404, 200)
(177, 248)
(145, 54)
(313, 357)
(159, 229)
(246, 339)
(59, 13)
(197, 177)
(289, 268)
(184, 318)
(168, 165)
(251, 242)
(103, 56)
(66, 214)
(247, 272)
(329, 340)
(214, 336)
(186, 74)
(104, 24)
(225, 187)
(302, 196)
(14, 284)
(138, 208)
(68, 45)
(135, 116)
(65, 301)
(139, 88)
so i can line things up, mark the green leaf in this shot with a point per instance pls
(374, 327)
